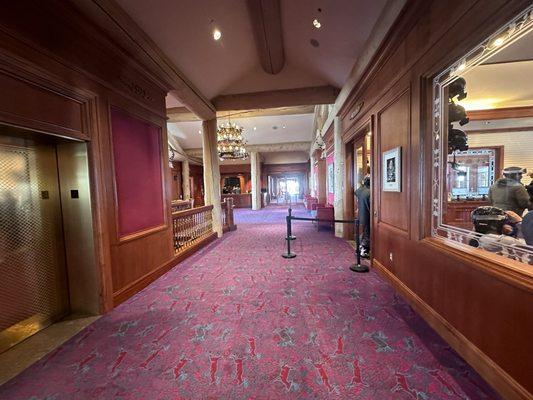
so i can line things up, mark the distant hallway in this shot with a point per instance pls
(237, 321)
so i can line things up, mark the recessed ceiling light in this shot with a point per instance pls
(217, 34)
(200, 131)
(283, 126)
(255, 128)
(316, 23)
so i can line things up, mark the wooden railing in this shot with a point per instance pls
(191, 227)
(180, 205)
(228, 223)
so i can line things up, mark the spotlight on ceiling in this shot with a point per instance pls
(316, 23)
(200, 131)
(217, 34)
(255, 128)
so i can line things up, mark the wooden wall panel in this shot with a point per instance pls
(61, 75)
(478, 311)
(285, 168)
(30, 105)
(393, 130)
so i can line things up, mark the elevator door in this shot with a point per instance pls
(33, 287)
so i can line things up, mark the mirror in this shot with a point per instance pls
(483, 145)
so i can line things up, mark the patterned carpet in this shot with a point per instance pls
(237, 321)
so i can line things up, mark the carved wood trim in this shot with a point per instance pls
(500, 113)
(124, 30)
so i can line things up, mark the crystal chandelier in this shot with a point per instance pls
(230, 142)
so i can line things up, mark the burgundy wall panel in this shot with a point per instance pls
(137, 156)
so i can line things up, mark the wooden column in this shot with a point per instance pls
(338, 160)
(212, 172)
(256, 180)
(185, 184)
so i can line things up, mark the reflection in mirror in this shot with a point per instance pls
(483, 177)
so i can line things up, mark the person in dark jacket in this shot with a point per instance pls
(509, 194)
(363, 201)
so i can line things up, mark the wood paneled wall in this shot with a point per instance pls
(61, 75)
(480, 310)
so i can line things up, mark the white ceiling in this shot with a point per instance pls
(499, 85)
(298, 128)
(504, 80)
(183, 30)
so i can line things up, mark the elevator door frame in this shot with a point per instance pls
(76, 237)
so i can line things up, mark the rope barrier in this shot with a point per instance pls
(357, 267)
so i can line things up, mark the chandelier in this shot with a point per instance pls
(230, 143)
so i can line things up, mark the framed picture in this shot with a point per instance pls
(392, 170)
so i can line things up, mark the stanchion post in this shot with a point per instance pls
(290, 236)
(288, 254)
(357, 267)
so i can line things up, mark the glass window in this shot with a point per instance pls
(483, 145)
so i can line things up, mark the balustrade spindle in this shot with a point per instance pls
(191, 226)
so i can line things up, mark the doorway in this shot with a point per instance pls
(285, 189)
(358, 165)
(46, 237)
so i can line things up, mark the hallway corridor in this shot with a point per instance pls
(237, 321)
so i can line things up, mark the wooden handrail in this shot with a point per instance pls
(191, 211)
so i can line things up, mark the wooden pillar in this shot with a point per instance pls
(339, 156)
(256, 180)
(212, 193)
(185, 184)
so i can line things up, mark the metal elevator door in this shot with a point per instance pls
(33, 278)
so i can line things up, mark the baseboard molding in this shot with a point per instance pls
(134, 287)
(484, 365)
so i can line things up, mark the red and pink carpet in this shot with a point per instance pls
(237, 321)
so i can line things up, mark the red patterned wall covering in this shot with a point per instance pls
(137, 158)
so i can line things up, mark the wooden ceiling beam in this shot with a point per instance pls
(500, 113)
(264, 148)
(277, 98)
(266, 25)
(111, 18)
(182, 114)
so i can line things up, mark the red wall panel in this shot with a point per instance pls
(137, 158)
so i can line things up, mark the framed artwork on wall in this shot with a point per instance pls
(392, 170)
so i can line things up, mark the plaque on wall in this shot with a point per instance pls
(392, 170)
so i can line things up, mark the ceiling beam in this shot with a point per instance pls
(277, 98)
(181, 114)
(268, 35)
(500, 113)
(110, 17)
(263, 148)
